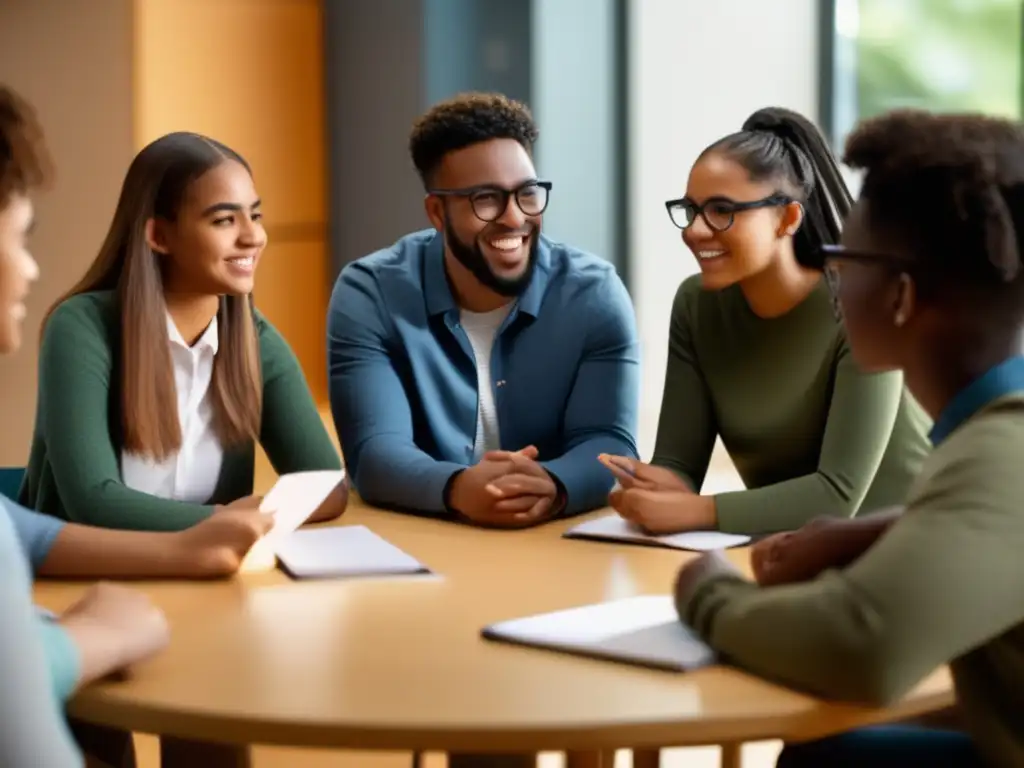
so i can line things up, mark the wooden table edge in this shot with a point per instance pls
(580, 736)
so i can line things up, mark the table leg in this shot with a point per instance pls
(597, 759)
(646, 758)
(470, 760)
(732, 756)
(104, 747)
(184, 753)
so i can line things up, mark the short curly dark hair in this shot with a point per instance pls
(467, 119)
(950, 188)
(24, 160)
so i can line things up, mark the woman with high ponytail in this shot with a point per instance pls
(758, 356)
(930, 282)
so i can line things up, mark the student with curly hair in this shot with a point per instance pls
(477, 369)
(930, 281)
(43, 658)
(758, 358)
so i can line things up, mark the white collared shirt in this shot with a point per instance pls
(190, 475)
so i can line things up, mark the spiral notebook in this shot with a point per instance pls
(615, 528)
(643, 631)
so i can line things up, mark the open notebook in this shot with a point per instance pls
(344, 551)
(615, 528)
(644, 631)
(292, 500)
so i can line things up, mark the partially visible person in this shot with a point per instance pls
(43, 658)
(157, 376)
(758, 358)
(212, 548)
(478, 369)
(32, 725)
(930, 279)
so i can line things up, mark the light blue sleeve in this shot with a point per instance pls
(33, 730)
(61, 656)
(35, 531)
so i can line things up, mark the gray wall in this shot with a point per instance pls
(389, 60)
(477, 45)
(374, 50)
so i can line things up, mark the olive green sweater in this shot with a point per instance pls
(74, 470)
(943, 585)
(809, 433)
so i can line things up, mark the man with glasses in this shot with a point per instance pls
(478, 369)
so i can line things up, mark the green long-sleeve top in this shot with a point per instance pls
(74, 468)
(809, 433)
(943, 585)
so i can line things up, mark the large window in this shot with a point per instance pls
(945, 55)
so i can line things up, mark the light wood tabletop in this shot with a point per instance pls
(398, 663)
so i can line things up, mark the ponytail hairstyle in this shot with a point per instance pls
(949, 188)
(785, 148)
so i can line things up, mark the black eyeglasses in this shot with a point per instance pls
(718, 212)
(827, 254)
(490, 202)
(828, 259)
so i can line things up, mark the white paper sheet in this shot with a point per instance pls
(615, 528)
(292, 500)
(296, 496)
(643, 630)
(348, 550)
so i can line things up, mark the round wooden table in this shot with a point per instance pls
(399, 663)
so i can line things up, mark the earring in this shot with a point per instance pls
(899, 320)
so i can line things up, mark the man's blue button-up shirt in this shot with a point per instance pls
(403, 383)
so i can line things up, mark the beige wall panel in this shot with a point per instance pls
(72, 59)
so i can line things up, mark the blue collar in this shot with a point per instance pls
(1001, 380)
(439, 294)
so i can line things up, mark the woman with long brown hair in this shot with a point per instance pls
(157, 376)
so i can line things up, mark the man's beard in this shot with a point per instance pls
(473, 259)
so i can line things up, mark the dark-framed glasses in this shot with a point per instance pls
(825, 255)
(489, 202)
(829, 259)
(718, 212)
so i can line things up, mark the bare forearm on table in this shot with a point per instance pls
(86, 551)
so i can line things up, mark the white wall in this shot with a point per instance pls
(697, 70)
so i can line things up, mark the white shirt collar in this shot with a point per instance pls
(209, 340)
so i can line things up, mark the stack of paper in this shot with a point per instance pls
(348, 550)
(615, 528)
(645, 631)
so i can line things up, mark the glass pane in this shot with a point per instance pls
(944, 55)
